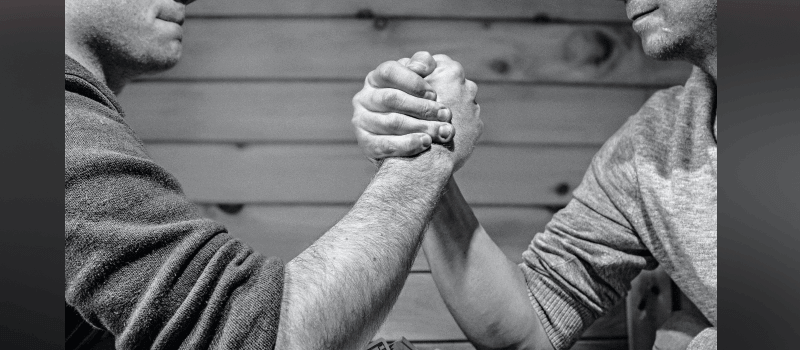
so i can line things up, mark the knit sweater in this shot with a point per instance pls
(648, 198)
(140, 262)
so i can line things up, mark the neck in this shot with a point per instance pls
(709, 65)
(92, 63)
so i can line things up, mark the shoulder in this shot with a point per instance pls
(614, 168)
(92, 124)
(655, 122)
(650, 130)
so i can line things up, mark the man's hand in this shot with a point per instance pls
(396, 113)
(457, 93)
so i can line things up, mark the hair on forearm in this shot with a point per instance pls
(343, 286)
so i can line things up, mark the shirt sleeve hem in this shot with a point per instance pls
(561, 317)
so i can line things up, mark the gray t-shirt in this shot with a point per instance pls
(648, 198)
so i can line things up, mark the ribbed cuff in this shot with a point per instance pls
(561, 316)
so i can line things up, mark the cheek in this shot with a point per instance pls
(694, 17)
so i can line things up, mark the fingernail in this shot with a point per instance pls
(430, 95)
(426, 141)
(445, 131)
(443, 114)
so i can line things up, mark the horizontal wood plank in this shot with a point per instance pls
(421, 315)
(349, 49)
(285, 231)
(596, 10)
(583, 344)
(321, 111)
(340, 173)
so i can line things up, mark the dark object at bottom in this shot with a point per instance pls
(402, 344)
(382, 344)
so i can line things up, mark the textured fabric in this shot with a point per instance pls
(706, 340)
(139, 260)
(648, 198)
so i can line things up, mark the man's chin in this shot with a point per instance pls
(160, 63)
(661, 47)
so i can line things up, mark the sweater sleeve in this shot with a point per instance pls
(141, 262)
(582, 264)
(705, 340)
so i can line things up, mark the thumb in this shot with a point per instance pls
(421, 63)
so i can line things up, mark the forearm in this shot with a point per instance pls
(484, 290)
(354, 272)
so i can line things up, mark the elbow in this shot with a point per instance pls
(497, 335)
(522, 335)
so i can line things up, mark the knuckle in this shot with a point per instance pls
(472, 86)
(457, 66)
(423, 58)
(411, 145)
(375, 149)
(387, 98)
(426, 111)
(357, 98)
(396, 123)
(387, 148)
(386, 70)
(422, 54)
(458, 69)
(362, 98)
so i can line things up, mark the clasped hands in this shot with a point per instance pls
(409, 104)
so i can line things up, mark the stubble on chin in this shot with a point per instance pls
(665, 47)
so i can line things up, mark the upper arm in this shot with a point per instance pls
(582, 264)
(139, 259)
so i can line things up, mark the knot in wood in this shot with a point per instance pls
(562, 189)
(365, 13)
(500, 66)
(231, 208)
(380, 23)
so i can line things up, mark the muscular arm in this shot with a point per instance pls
(354, 272)
(485, 292)
(339, 290)
(575, 270)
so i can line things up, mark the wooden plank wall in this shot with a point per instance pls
(255, 120)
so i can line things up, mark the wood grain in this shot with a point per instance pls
(339, 174)
(349, 49)
(554, 9)
(285, 231)
(421, 315)
(321, 111)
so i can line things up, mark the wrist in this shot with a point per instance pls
(453, 212)
(436, 161)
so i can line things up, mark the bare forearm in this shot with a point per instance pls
(354, 273)
(485, 292)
